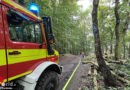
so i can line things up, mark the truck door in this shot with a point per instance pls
(3, 63)
(26, 48)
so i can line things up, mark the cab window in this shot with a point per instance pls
(22, 29)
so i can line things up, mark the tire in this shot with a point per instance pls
(49, 80)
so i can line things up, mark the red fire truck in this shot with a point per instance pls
(26, 56)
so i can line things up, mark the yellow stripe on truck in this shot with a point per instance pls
(26, 55)
(20, 75)
(5, 80)
(17, 76)
(21, 8)
(2, 57)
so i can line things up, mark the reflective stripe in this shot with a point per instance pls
(20, 75)
(26, 55)
(17, 76)
(21, 8)
(2, 57)
(5, 80)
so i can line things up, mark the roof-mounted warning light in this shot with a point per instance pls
(34, 8)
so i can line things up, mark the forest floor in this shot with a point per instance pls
(81, 80)
(121, 69)
(69, 62)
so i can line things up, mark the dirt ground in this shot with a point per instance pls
(69, 62)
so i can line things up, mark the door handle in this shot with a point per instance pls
(14, 53)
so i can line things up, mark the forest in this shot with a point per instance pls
(102, 31)
(72, 26)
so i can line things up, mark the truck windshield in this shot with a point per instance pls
(22, 29)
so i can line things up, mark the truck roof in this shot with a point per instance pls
(17, 7)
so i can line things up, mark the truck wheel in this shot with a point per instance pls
(48, 81)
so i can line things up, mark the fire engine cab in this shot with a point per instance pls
(26, 55)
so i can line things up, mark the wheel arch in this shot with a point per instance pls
(53, 67)
(29, 81)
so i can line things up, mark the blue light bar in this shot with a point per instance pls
(34, 8)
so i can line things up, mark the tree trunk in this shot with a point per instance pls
(111, 47)
(124, 47)
(106, 48)
(129, 51)
(117, 30)
(109, 79)
(124, 33)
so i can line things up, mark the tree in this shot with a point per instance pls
(117, 30)
(124, 23)
(109, 79)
